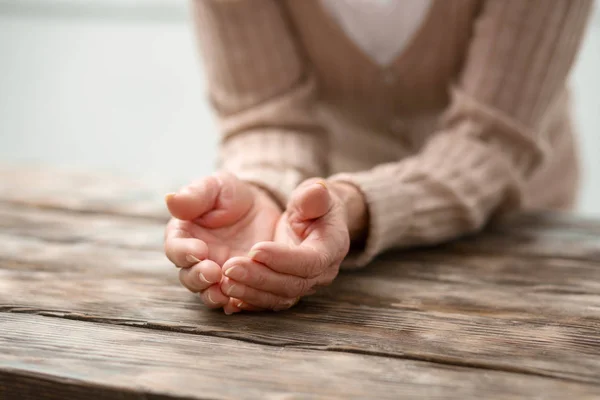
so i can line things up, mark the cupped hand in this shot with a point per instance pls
(214, 219)
(311, 240)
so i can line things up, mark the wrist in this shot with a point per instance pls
(355, 205)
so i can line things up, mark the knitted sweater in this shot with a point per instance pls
(470, 119)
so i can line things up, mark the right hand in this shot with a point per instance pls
(311, 240)
(214, 219)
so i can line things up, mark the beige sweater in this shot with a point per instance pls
(472, 118)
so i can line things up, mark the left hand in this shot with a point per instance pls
(216, 218)
(312, 238)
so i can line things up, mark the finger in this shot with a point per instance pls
(213, 297)
(309, 201)
(235, 198)
(213, 202)
(194, 200)
(237, 305)
(185, 252)
(301, 261)
(201, 276)
(254, 297)
(256, 275)
(231, 307)
(248, 307)
(178, 229)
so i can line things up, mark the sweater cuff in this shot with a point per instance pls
(390, 212)
(276, 160)
(447, 190)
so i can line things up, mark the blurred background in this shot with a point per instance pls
(116, 86)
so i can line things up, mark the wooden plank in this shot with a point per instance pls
(23, 385)
(548, 222)
(502, 285)
(526, 235)
(63, 225)
(421, 309)
(518, 283)
(533, 244)
(89, 356)
(83, 192)
(523, 297)
(56, 225)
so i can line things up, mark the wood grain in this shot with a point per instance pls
(499, 312)
(193, 366)
(83, 192)
(89, 306)
(25, 385)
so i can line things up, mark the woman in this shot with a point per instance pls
(425, 118)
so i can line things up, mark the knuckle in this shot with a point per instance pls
(274, 302)
(313, 272)
(323, 261)
(260, 280)
(295, 287)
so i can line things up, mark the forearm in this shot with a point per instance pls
(263, 94)
(449, 189)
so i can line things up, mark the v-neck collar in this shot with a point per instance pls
(380, 29)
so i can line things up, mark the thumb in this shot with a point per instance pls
(309, 201)
(214, 201)
(195, 199)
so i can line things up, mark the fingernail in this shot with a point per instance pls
(210, 298)
(238, 273)
(322, 183)
(203, 278)
(292, 303)
(190, 258)
(227, 312)
(240, 304)
(169, 196)
(252, 254)
(235, 291)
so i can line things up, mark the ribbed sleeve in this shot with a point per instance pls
(263, 94)
(490, 141)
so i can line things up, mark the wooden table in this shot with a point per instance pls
(91, 308)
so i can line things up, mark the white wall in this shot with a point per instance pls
(586, 87)
(115, 85)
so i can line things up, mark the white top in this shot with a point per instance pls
(380, 28)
